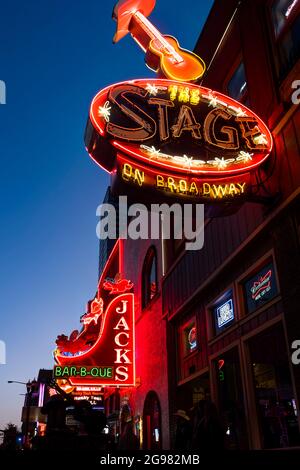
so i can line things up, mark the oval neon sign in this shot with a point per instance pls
(182, 128)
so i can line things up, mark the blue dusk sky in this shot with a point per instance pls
(54, 57)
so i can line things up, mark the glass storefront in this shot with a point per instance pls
(275, 400)
(231, 399)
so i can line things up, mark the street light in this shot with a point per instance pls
(16, 382)
(30, 386)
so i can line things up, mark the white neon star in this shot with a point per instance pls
(104, 111)
(187, 160)
(244, 157)
(152, 150)
(213, 101)
(221, 163)
(238, 111)
(260, 140)
(152, 89)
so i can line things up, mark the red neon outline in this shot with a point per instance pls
(261, 280)
(122, 158)
(163, 82)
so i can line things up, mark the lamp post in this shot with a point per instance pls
(30, 386)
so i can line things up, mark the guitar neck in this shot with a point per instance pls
(143, 32)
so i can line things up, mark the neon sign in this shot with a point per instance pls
(182, 137)
(192, 338)
(261, 288)
(225, 313)
(163, 53)
(103, 353)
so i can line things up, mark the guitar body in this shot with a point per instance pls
(191, 68)
(163, 53)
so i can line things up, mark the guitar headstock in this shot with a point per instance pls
(123, 11)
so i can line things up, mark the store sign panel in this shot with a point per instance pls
(224, 313)
(261, 288)
(103, 353)
(177, 138)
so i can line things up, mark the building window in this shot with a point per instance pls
(260, 288)
(223, 312)
(286, 24)
(149, 277)
(152, 430)
(237, 85)
(274, 394)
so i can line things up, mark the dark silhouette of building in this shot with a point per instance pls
(233, 307)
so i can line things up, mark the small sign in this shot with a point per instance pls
(224, 314)
(261, 288)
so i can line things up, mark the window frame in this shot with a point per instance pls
(275, 41)
(151, 256)
(236, 64)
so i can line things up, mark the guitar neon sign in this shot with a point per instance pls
(162, 53)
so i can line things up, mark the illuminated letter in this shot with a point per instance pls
(193, 188)
(118, 96)
(210, 130)
(242, 187)
(233, 189)
(127, 172)
(250, 130)
(117, 339)
(206, 189)
(195, 97)
(123, 372)
(122, 355)
(94, 372)
(184, 94)
(160, 181)
(65, 371)
(186, 122)
(121, 324)
(139, 177)
(118, 310)
(57, 371)
(162, 116)
(183, 186)
(172, 185)
(220, 191)
(173, 89)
